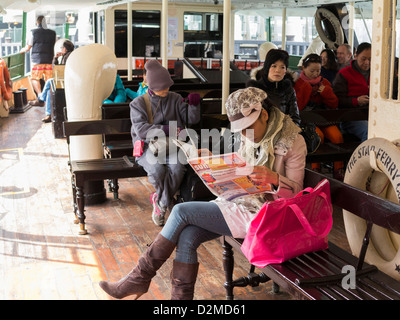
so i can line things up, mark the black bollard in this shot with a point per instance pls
(18, 100)
(20, 105)
(24, 95)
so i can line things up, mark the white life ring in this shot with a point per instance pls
(372, 167)
(324, 14)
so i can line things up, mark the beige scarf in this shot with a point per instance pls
(281, 133)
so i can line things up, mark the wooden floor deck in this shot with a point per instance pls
(43, 257)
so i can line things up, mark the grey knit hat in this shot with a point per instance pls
(244, 106)
(157, 77)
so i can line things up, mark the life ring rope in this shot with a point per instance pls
(372, 168)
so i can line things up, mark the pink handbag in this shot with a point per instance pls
(287, 228)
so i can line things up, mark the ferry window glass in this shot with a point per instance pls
(252, 30)
(192, 22)
(10, 32)
(145, 33)
(101, 27)
(363, 22)
(203, 34)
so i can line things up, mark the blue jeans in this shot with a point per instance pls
(357, 128)
(46, 96)
(192, 223)
(166, 178)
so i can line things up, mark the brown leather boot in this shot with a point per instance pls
(183, 279)
(138, 280)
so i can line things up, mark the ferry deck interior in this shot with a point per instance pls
(42, 256)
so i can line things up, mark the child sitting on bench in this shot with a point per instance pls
(165, 106)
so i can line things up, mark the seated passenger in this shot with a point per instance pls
(351, 86)
(263, 50)
(279, 160)
(329, 67)
(142, 88)
(45, 95)
(118, 95)
(166, 106)
(344, 55)
(314, 91)
(277, 83)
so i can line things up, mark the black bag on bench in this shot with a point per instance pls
(311, 137)
(193, 188)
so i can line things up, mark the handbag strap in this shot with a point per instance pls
(148, 107)
(306, 224)
(306, 190)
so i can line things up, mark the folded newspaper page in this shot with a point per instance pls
(188, 149)
(227, 175)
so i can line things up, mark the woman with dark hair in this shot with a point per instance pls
(278, 83)
(329, 67)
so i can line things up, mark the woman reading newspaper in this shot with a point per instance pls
(272, 144)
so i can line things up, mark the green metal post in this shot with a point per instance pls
(268, 29)
(23, 40)
(66, 31)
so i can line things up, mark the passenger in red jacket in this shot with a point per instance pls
(351, 86)
(313, 91)
(311, 88)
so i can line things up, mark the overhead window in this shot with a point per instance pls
(145, 33)
(203, 34)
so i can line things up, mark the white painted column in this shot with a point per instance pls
(129, 40)
(226, 54)
(284, 29)
(164, 33)
(351, 24)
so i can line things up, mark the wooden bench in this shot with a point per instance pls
(318, 275)
(120, 144)
(210, 108)
(98, 169)
(329, 151)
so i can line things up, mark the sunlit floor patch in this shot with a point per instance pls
(12, 178)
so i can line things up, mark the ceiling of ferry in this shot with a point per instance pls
(272, 6)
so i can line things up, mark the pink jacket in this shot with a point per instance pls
(290, 167)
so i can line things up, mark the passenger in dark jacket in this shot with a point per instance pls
(165, 107)
(278, 83)
(329, 67)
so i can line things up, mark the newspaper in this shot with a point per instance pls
(226, 175)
